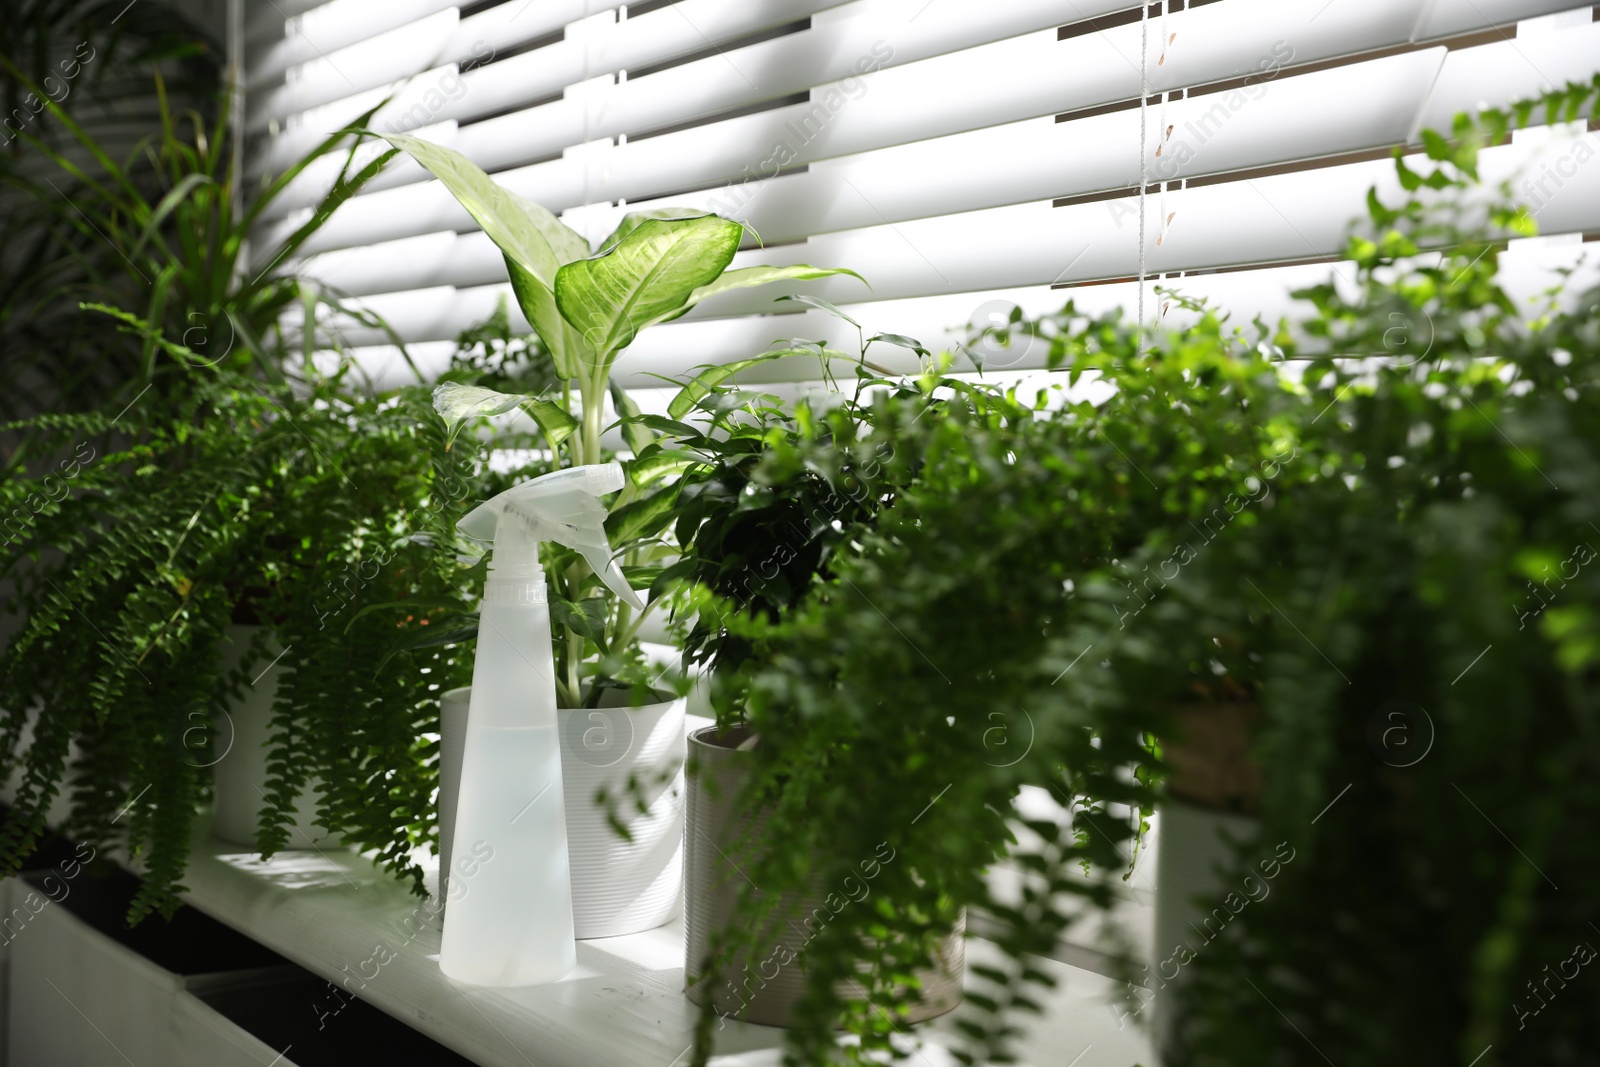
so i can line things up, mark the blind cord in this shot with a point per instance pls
(1144, 150)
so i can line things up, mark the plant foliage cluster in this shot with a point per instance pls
(1252, 515)
(314, 515)
(90, 60)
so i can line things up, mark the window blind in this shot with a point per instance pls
(960, 156)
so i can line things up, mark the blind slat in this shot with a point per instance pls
(381, 60)
(923, 145)
(677, 349)
(1510, 70)
(327, 29)
(1293, 216)
(1033, 160)
(1447, 17)
(1021, 77)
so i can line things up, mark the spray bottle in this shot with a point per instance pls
(510, 923)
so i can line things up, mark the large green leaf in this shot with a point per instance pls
(632, 219)
(555, 421)
(645, 517)
(749, 277)
(534, 241)
(522, 229)
(456, 403)
(585, 617)
(538, 302)
(644, 279)
(662, 464)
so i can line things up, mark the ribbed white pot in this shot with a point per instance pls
(618, 886)
(624, 886)
(239, 758)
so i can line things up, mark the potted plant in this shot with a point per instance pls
(586, 306)
(1046, 604)
(759, 527)
(934, 670)
(172, 518)
(1424, 635)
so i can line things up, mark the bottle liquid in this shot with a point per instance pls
(509, 922)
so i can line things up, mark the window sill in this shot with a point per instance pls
(623, 1006)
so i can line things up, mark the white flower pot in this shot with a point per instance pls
(1213, 792)
(1189, 890)
(237, 752)
(452, 741)
(718, 828)
(618, 886)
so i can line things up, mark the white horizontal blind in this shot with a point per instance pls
(954, 153)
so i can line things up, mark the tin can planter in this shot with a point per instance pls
(715, 826)
(239, 758)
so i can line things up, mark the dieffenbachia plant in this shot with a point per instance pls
(587, 306)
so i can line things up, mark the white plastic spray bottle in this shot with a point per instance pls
(510, 922)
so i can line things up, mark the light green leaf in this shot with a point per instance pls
(456, 403)
(645, 517)
(632, 219)
(749, 277)
(701, 385)
(520, 228)
(644, 279)
(660, 465)
(556, 422)
(634, 432)
(534, 241)
(567, 350)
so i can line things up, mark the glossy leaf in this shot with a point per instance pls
(662, 464)
(522, 229)
(750, 277)
(633, 219)
(646, 278)
(554, 421)
(456, 403)
(645, 517)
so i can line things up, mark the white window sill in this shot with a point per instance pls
(623, 1006)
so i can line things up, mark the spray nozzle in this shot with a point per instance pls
(563, 507)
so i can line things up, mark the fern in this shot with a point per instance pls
(306, 511)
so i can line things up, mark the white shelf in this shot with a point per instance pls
(337, 916)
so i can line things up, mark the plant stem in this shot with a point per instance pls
(593, 394)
